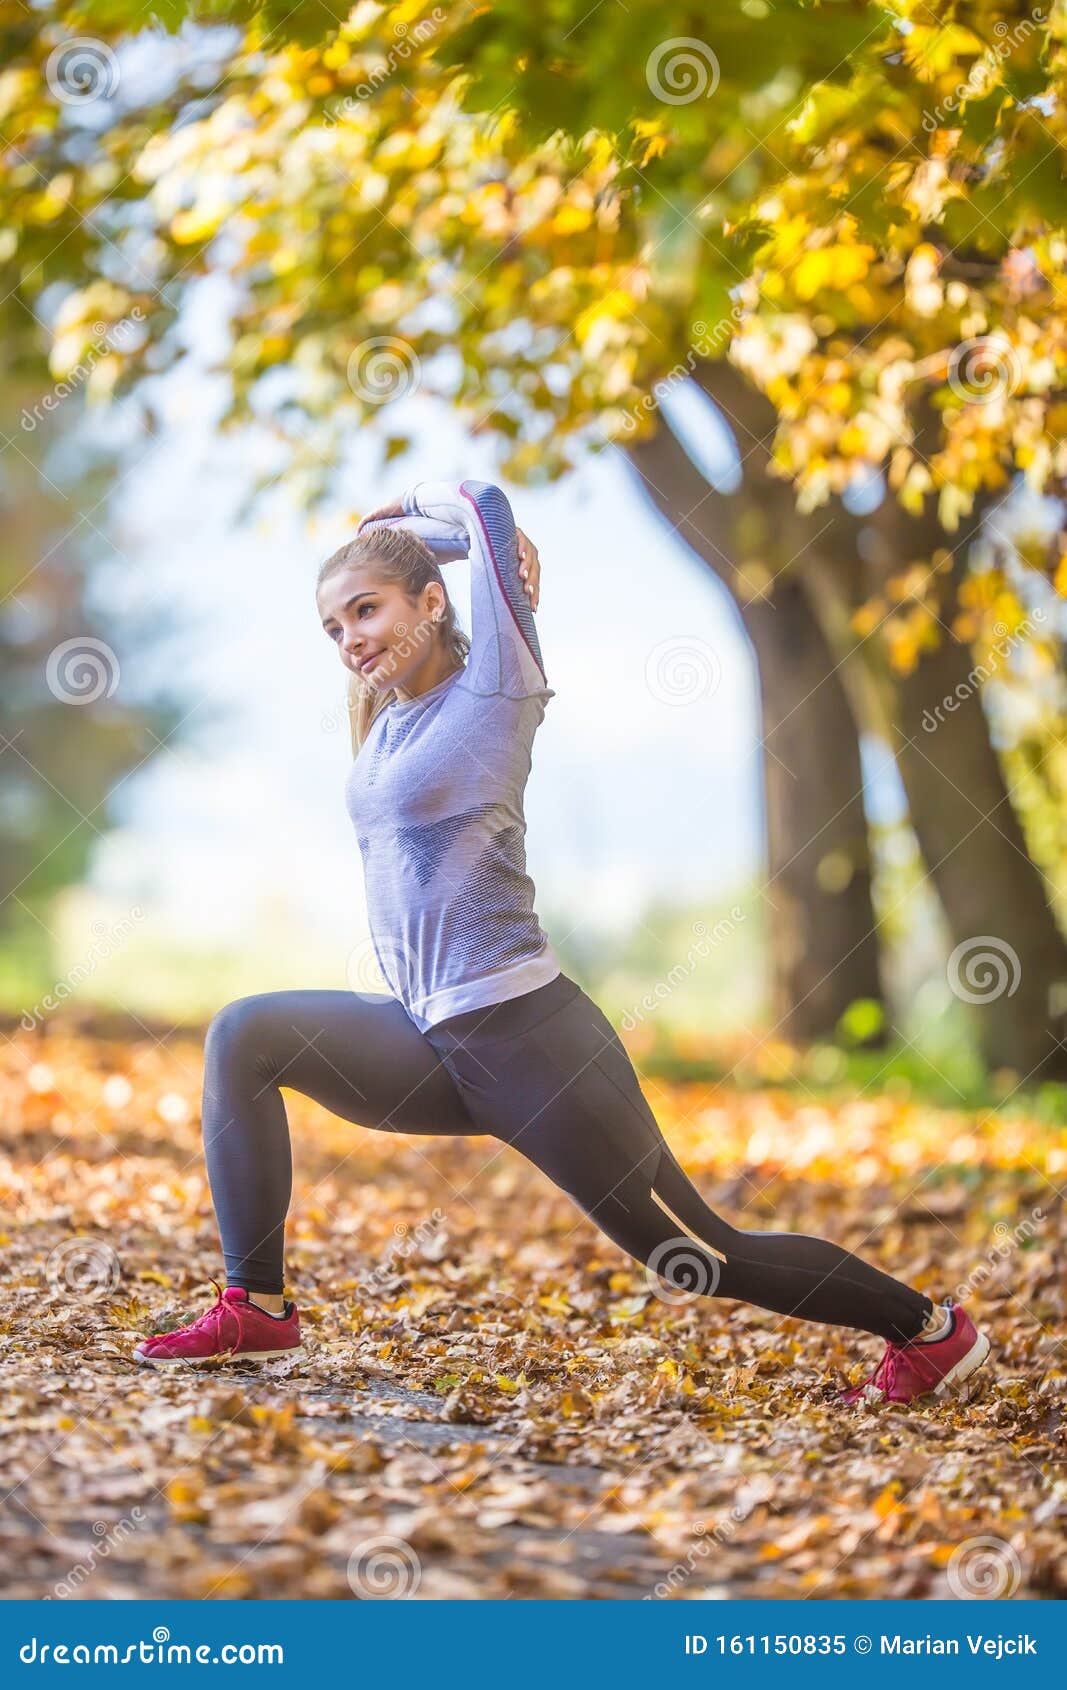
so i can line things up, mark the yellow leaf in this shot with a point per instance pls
(571, 219)
(183, 1495)
(833, 267)
(884, 1504)
(555, 1303)
(574, 1403)
(196, 225)
(631, 1308)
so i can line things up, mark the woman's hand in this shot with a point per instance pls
(529, 562)
(529, 567)
(381, 513)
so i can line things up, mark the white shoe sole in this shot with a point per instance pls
(968, 1364)
(205, 1361)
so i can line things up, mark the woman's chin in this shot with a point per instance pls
(377, 675)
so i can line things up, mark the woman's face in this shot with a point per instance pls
(382, 635)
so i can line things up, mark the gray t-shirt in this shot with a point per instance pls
(436, 792)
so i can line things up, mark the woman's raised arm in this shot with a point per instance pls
(474, 518)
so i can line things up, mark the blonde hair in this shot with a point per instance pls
(400, 556)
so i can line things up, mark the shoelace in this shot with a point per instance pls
(896, 1355)
(218, 1308)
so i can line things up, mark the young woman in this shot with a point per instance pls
(483, 1032)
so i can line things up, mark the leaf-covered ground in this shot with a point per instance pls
(495, 1401)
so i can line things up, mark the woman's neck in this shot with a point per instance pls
(429, 676)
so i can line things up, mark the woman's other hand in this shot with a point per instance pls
(529, 561)
(382, 513)
(529, 568)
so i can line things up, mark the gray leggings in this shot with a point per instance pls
(545, 1073)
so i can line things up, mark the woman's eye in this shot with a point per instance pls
(364, 607)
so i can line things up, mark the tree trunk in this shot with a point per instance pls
(1009, 959)
(992, 893)
(968, 831)
(823, 939)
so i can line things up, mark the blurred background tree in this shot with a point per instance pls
(57, 654)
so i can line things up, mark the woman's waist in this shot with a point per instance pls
(506, 1018)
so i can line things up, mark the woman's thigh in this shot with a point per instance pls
(562, 1090)
(359, 1055)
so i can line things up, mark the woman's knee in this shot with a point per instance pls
(240, 1029)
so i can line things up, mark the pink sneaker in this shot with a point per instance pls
(231, 1327)
(915, 1369)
